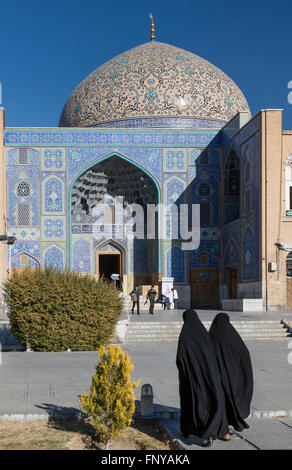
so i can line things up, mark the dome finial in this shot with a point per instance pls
(152, 37)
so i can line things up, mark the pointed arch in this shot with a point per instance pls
(96, 162)
(231, 187)
(248, 259)
(53, 195)
(32, 261)
(234, 257)
(54, 256)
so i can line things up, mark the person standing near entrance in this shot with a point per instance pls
(175, 297)
(135, 299)
(151, 294)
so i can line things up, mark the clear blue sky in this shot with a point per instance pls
(48, 47)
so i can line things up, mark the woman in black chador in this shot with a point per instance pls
(200, 389)
(236, 370)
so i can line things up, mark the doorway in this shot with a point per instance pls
(204, 287)
(232, 282)
(108, 264)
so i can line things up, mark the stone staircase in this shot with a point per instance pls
(270, 330)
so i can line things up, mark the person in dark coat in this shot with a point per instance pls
(201, 394)
(236, 370)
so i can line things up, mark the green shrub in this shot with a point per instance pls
(111, 402)
(54, 311)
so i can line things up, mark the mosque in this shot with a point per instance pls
(156, 124)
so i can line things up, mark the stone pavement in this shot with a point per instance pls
(207, 315)
(263, 434)
(48, 383)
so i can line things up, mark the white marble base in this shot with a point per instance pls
(243, 305)
(184, 296)
(166, 286)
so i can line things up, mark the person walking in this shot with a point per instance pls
(235, 368)
(151, 294)
(175, 297)
(201, 394)
(135, 300)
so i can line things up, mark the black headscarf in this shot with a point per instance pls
(200, 389)
(235, 368)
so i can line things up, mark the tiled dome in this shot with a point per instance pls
(153, 80)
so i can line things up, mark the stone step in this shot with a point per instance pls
(169, 331)
(171, 338)
(178, 329)
(206, 323)
(160, 334)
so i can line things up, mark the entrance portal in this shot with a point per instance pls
(108, 264)
(103, 201)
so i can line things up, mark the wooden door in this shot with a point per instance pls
(204, 287)
(289, 293)
(232, 282)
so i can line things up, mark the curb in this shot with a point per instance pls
(25, 417)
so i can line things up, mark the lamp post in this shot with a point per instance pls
(9, 240)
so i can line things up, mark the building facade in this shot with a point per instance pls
(156, 124)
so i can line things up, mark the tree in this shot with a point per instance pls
(111, 402)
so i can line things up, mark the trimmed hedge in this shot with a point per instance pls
(54, 311)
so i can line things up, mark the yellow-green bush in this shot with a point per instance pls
(111, 402)
(54, 311)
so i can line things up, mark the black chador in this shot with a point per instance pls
(235, 368)
(200, 389)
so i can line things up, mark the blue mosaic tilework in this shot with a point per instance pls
(31, 155)
(53, 191)
(29, 248)
(230, 129)
(12, 170)
(245, 232)
(211, 233)
(12, 157)
(13, 179)
(192, 173)
(209, 246)
(173, 190)
(26, 233)
(248, 259)
(214, 157)
(81, 256)
(248, 159)
(99, 138)
(45, 174)
(166, 122)
(53, 159)
(195, 259)
(54, 257)
(53, 228)
(194, 155)
(206, 176)
(79, 159)
(251, 127)
(139, 258)
(174, 160)
(231, 255)
(175, 264)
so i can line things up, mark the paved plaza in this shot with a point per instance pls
(45, 384)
